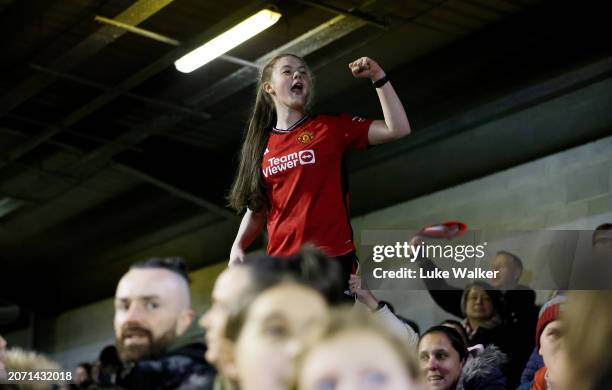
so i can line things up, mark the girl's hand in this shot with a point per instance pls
(366, 67)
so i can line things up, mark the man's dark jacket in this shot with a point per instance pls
(182, 369)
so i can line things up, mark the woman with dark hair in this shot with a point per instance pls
(481, 305)
(291, 176)
(447, 364)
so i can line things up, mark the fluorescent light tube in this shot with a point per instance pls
(227, 41)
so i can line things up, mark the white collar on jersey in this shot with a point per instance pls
(293, 126)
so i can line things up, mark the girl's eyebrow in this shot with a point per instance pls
(289, 66)
(272, 317)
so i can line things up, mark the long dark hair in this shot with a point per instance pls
(248, 189)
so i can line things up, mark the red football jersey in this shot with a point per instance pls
(304, 172)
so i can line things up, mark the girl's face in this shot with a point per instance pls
(289, 83)
(440, 362)
(354, 359)
(280, 321)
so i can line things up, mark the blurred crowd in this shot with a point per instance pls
(288, 323)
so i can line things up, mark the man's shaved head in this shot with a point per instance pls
(152, 308)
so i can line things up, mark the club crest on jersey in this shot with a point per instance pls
(305, 137)
(358, 119)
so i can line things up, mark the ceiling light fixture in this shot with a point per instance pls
(227, 41)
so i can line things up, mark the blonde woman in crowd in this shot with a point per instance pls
(354, 351)
(17, 359)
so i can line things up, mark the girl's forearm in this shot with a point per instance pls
(251, 225)
(394, 114)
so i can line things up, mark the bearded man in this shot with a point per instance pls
(152, 310)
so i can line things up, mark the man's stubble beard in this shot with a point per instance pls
(150, 350)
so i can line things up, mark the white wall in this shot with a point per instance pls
(567, 190)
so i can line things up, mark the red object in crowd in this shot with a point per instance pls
(448, 230)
